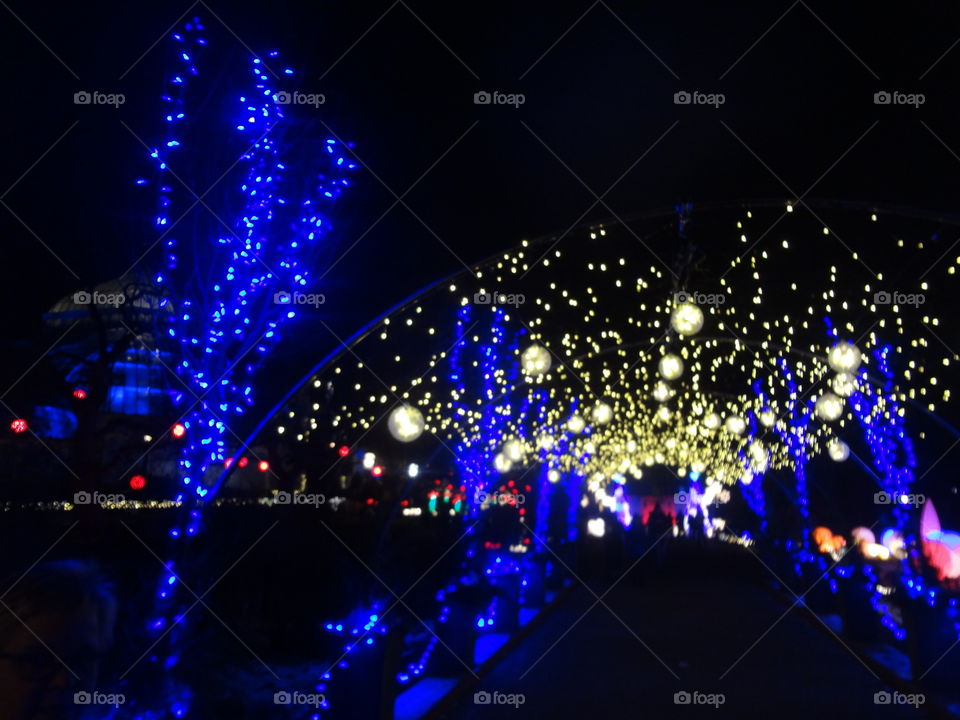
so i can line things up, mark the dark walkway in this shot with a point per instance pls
(699, 615)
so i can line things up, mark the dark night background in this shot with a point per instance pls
(399, 81)
(599, 78)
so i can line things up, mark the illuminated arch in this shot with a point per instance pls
(600, 301)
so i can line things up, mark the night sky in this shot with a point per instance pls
(399, 79)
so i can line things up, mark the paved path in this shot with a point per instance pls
(699, 617)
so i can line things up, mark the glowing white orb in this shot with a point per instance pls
(844, 357)
(844, 384)
(838, 450)
(553, 476)
(502, 463)
(545, 442)
(768, 418)
(535, 360)
(671, 367)
(513, 450)
(829, 407)
(687, 319)
(413, 470)
(662, 392)
(735, 424)
(575, 424)
(601, 414)
(759, 459)
(596, 527)
(711, 421)
(406, 423)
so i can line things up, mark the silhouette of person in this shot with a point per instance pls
(659, 524)
(56, 622)
(697, 527)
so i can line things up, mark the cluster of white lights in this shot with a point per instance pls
(687, 398)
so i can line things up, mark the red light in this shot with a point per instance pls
(228, 462)
(243, 462)
(369, 501)
(263, 466)
(344, 451)
(376, 471)
(80, 393)
(179, 430)
(138, 482)
(19, 425)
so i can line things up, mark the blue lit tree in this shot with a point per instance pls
(232, 267)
